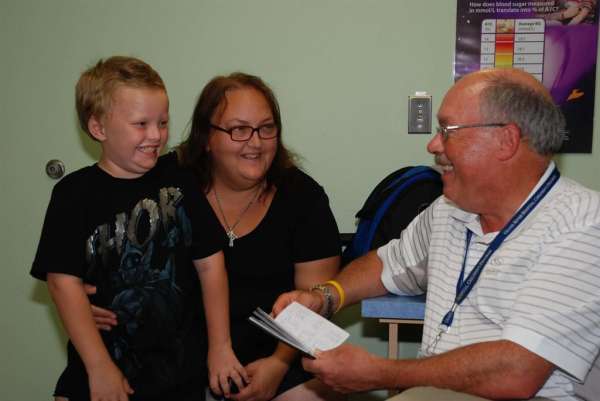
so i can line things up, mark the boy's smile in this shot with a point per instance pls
(133, 131)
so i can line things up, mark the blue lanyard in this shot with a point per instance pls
(464, 286)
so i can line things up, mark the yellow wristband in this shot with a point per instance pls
(340, 291)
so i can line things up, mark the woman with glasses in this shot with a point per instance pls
(279, 231)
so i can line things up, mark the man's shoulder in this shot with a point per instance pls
(569, 185)
(574, 203)
(572, 193)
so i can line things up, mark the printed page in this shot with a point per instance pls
(310, 329)
(266, 322)
(278, 333)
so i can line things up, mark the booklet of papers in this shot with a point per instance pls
(301, 328)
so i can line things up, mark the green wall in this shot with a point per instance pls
(342, 70)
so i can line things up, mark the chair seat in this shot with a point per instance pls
(394, 307)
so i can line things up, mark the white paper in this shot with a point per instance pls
(310, 328)
(302, 328)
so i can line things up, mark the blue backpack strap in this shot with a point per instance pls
(367, 228)
(379, 192)
(411, 173)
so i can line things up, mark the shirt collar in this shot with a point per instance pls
(471, 220)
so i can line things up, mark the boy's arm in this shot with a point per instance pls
(222, 362)
(106, 380)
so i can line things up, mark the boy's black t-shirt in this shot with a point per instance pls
(134, 239)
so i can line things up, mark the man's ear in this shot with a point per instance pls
(509, 139)
(96, 128)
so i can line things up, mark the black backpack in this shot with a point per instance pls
(391, 206)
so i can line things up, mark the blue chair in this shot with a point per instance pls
(394, 310)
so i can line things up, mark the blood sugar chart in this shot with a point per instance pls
(515, 43)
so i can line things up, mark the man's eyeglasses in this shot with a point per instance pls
(242, 133)
(445, 131)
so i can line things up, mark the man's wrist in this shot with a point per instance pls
(325, 291)
(338, 296)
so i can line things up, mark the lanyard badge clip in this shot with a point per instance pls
(448, 318)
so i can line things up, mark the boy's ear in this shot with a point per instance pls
(96, 128)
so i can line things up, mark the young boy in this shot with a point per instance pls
(131, 224)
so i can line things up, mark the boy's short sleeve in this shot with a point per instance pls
(63, 229)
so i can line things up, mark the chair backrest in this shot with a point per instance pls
(391, 206)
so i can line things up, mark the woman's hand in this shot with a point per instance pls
(104, 318)
(222, 365)
(311, 299)
(265, 374)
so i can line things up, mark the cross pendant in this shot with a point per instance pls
(231, 235)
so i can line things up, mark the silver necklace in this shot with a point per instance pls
(230, 233)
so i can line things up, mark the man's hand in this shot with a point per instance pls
(105, 319)
(265, 376)
(311, 299)
(346, 369)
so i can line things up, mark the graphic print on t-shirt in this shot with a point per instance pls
(132, 261)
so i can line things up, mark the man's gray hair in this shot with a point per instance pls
(507, 100)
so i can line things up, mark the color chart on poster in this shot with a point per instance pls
(556, 41)
(513, 43)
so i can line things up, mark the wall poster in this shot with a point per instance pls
(555, 40)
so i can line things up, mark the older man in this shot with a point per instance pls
(509, 257)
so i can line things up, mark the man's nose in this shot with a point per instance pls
(436, 144)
